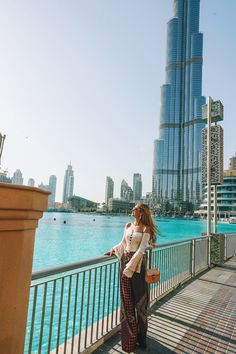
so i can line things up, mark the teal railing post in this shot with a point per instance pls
(193, 258)
(148, 265)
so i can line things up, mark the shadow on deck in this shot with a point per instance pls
(200, 317)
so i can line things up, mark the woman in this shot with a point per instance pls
(138, 235)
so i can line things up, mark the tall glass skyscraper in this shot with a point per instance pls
(52, 188)
(137, 187)
(177, 151)
(68, 187)
(109, 189)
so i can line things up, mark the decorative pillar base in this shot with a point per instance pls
(20, 209)
(217, 248)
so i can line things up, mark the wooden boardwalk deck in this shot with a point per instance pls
(200, 317)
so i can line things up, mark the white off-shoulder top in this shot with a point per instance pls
(132, 241)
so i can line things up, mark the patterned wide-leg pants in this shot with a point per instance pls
(134, 303)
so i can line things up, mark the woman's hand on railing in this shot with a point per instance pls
(109, 253)
(155, 245)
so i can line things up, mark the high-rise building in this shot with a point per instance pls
(226, 197)
(4, 178)
(126, 191)
(120, 205)
(177, 151)
(52, 188)
(137, 186)
(31, 182)
(217, 154)
(109, 189)
(232, 162)
(17, 177)
(123, 188)
(68, 187)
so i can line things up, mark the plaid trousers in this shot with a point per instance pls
(134, 303)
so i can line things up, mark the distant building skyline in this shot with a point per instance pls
(109, 191)
(232, 162)
(31, 182)
(126, 191)
(137, 186)
(177, 151)
(123, 188)
(43, 186)
(120, 205)
(77, 203)
(68, 186)
(52, 188)
(17, 177)
(4, 178)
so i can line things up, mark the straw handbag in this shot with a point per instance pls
(152, 275)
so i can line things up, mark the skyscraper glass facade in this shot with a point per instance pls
(177, 151)
(68, 187)
(137, 187)
(109, 189)
(52, 188)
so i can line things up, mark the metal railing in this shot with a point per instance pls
(73, 307)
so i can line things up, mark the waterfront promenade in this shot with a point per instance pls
(199, 317)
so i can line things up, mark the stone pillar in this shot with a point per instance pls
(20, 209)
(217, 248)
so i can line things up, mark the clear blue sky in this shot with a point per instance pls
(80, 81)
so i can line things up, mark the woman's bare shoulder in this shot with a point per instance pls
(128, 225)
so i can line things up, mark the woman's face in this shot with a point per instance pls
(136, 212)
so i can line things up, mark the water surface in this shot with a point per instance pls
(84, 236)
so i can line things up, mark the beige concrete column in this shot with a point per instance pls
(20, 209)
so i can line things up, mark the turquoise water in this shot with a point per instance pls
(88, 236)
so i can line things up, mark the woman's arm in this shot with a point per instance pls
(118, 250)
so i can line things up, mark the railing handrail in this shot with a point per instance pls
(88, 262)
(67, 267)
(181, 241)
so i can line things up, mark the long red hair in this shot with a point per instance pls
(147, 220)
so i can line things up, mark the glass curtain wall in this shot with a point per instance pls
(177, 162)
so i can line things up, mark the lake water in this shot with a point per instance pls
(86, 236)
